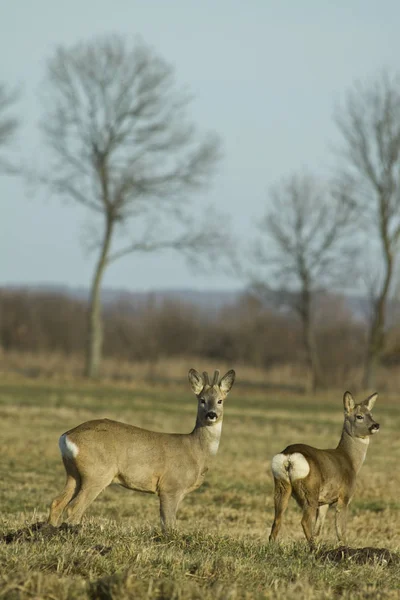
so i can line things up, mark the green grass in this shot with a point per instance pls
(220, 549)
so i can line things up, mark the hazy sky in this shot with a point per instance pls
(266, 75)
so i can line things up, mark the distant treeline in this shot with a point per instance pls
(246, 332)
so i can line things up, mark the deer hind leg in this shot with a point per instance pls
(169, 503)
(70, 490)
(283, 491)
(308, 522)
(88, 492)
(60, 502)
(321, 514)
(308, 502)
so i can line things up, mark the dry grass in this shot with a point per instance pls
(220, 550)
(70, 368)
(292, 377)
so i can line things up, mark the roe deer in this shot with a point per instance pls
(319, 478)
(98, 453)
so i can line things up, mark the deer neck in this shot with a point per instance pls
(208, 436)
(355, 449)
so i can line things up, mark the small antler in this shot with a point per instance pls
(206, 379)
(216, 378)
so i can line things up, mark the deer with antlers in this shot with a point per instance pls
(100, 452)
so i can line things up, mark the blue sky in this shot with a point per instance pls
(266, 75)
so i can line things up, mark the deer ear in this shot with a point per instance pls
(370, 401)
(348, 402)
(196, 381)
(227, 381)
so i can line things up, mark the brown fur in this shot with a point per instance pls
(332, 476)
(168, 464)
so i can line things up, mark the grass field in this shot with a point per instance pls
(220, 549)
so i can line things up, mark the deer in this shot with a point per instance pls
(100, 452)
(318, 479)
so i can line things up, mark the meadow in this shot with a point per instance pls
(220, 549)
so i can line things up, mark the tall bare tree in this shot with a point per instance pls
(8, 129)
(122, 145)
(302, 249)
(8, 125)
(369, 123)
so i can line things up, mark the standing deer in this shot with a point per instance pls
(98, 453)
(319, 478)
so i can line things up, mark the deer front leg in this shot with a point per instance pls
(169, 503)
(341, 520)
(321, 514)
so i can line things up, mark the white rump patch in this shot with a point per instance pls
(67, 447)
(299, 467)
(290, 467)
(280, 466)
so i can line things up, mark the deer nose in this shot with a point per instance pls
(211, 415)
(374, 428)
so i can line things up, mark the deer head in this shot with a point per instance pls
(358, 418)
(210, 396)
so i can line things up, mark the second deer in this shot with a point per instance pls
(98, 453)
(319, 478)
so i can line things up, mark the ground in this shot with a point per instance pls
(220, 549)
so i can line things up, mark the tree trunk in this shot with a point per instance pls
(376, 339)
(370, 369)
(309, 337)
(311, 347)
(95, 325)
(375, 346)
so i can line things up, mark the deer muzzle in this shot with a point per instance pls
(211, 415)
(374, 428)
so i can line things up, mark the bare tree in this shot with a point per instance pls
(122, 145)
(369, 123)
(8, 128)
(301, 250)
(8, 124)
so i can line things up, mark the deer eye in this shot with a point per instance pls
(219, 401)
(360, 417)
(202, 400)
